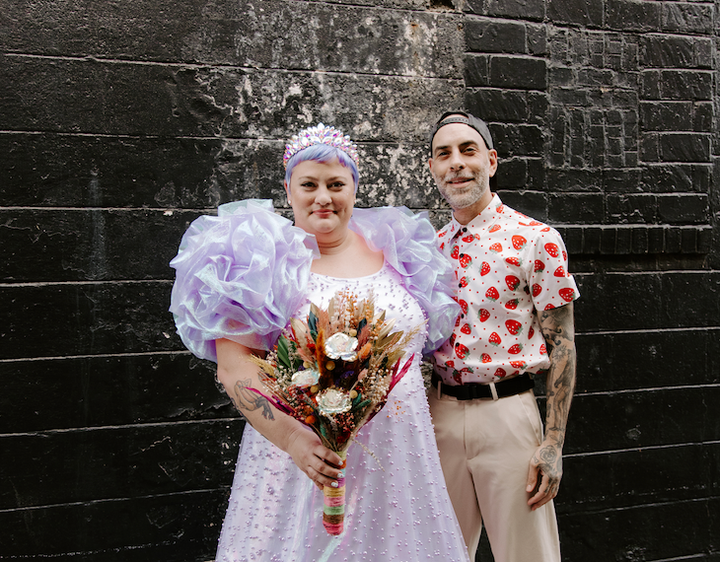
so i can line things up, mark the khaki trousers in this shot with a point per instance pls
(485, 449)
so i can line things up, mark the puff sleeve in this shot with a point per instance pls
(408, 242)
(239, 275)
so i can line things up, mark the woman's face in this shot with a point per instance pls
(322, 196)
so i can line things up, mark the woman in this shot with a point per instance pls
(240, 277)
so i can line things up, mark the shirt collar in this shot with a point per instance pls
(485, 218)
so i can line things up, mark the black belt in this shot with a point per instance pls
(470, 391)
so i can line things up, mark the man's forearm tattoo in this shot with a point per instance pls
(246, 400)
(559, 332)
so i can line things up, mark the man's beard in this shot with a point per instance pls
(469, 195)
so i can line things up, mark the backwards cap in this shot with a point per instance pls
(463, 117)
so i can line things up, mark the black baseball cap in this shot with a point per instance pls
(463, 117)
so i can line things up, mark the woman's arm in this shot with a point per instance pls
(238, 375)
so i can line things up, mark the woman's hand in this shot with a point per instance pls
(319, 463)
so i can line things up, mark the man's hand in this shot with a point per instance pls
(544, 474)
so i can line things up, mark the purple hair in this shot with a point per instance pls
(322, 153)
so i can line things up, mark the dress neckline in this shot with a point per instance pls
(350, 279)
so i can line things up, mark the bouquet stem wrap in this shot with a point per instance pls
(334, 503)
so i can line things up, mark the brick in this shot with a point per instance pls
(686, 85)
(591, 240)
(663, 51)
(676, 178)
(537, 43)
(640, 240)
(650, 148)
(561, 76)
(685, 147)
(632, 209)
(574, 180)
(666, 116)
(585, 13)
(477, 70)
(507, 106)
(512, 172)
(621, 180)
(632, 15)
(702, 117)
(525, 9)
(683, 209)
(650, 85)
(686, 17)
(517, 72)
(484, 35)
(608, 241)
(533, 204)
(656, 240)
(517, 139)
(574, 208)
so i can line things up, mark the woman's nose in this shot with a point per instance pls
(322, 197)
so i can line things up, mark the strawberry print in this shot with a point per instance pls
(513, 327)
(567, 294)
(515, 349)
(443, 233)
(442, 246)
(512, 282)
(552, 249)
(518, 242)
(491, 265)
(458, 321)
(461, 351)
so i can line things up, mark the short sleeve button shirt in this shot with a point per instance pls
(507, 266)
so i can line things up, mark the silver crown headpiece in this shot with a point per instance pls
(320, 135)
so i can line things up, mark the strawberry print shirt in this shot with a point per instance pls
(507, 266)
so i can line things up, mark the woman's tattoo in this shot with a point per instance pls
(247, 400)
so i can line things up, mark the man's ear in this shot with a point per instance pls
(493, 157)
(430, 160)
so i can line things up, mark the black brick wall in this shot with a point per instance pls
(120, 122)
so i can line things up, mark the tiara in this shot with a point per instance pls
(320, 135)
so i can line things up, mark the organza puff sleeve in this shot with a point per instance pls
(409, 243)
(239, 275)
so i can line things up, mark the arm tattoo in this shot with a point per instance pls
(248, 401)
(559, 331)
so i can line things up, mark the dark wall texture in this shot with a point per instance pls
(121, 121)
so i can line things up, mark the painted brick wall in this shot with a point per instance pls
(120, 122)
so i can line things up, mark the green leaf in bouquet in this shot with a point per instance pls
(283, 354)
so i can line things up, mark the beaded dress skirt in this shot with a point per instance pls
(397, 507)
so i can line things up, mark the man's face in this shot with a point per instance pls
(462, 166)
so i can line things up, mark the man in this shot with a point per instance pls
(516, 324)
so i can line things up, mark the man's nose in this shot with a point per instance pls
(456, 161)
